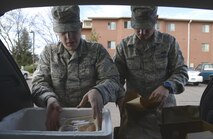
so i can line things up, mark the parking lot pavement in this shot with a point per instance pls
(191, 96)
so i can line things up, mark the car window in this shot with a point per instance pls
(26, 31)
(208, 67)
(198, 67)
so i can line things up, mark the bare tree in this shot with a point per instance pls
(44, 28)
(11, 25)
(94, 36)
(13, 22)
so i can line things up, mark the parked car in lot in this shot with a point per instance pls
(194, 77)
(25, 73)
(206, 71)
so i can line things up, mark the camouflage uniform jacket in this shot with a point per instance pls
(68, 78)
(145, 67)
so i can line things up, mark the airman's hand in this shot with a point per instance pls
(96, 101)
(53, 114)
(159, 96)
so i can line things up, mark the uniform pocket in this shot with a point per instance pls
(87, 70)
(133, 63)
(161, 60)
(58, 71)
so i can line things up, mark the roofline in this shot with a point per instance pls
(87, 20)
(192, 20)
(160, 18)
(107, 17)
(87, 28)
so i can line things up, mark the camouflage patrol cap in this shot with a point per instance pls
(143, 16)
(66, 18)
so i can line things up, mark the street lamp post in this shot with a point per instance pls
(188, 45)
(33, 47)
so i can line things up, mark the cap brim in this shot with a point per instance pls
(142, 24)
(66, 27)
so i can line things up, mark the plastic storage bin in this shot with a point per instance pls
(29, 123)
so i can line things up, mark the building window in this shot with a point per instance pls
(157, 26)
(111, 45)
(88, 24)
(127, 24)
(83, 36)
(205, 28)
(171, 27)
(112, 25)
(205, 47)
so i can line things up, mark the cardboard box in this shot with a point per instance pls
(178, 121)
(180, 130)
(200, 135)
(29, 123)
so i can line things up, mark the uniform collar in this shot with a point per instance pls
(156, 39)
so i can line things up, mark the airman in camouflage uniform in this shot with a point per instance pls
(74, 71)
(151, 64)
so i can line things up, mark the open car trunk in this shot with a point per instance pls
(14, 91)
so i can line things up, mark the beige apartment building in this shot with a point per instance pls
(195, 37)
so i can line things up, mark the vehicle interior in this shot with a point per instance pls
(7, 5)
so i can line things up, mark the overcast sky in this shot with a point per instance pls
(124, 11)
(163, 12)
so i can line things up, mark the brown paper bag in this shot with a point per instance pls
(133, 108)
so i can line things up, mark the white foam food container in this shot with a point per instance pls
(29, 123)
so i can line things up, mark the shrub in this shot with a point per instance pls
(29, 68)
